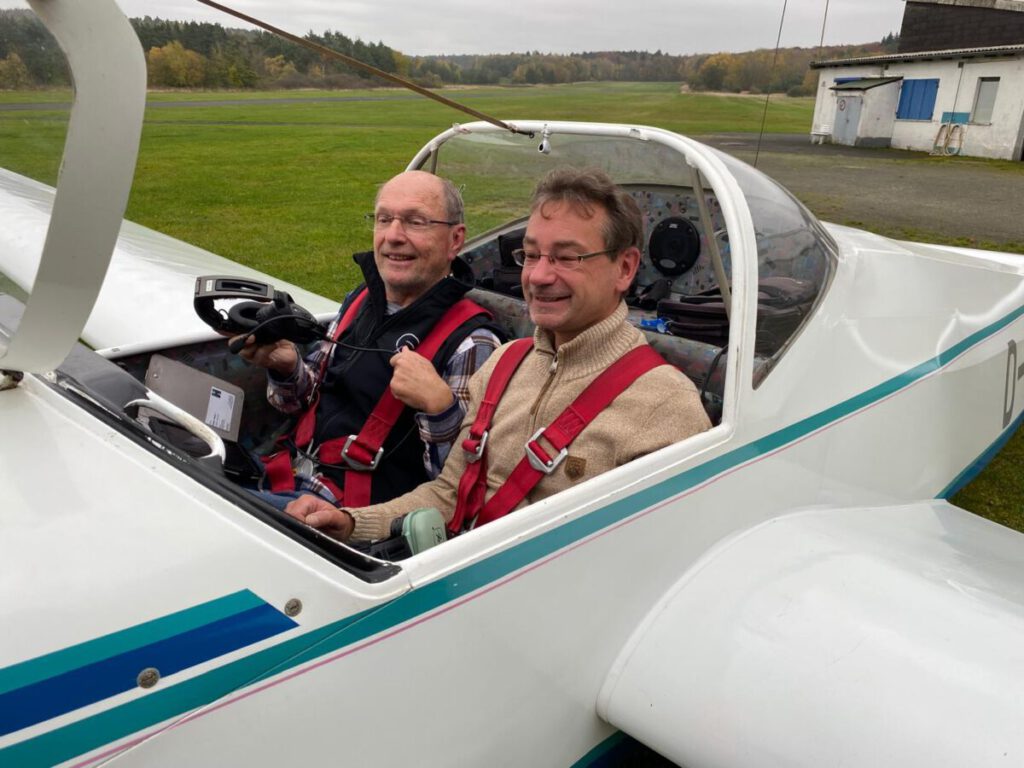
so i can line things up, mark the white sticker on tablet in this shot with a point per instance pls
(220, 408)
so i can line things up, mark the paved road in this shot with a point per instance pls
(907, 193)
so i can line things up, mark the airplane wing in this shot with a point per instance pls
(150, 282)
(889, 636)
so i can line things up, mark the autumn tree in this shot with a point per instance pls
(278, 67)
(175, 66)
(711, 75)
(13, 73)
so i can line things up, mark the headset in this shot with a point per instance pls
(267, 315)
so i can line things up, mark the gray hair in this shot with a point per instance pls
(453, 205)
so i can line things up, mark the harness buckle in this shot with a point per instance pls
(474, 449)
(546, 465)
(355, 463)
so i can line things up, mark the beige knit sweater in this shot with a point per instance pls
(660, 408)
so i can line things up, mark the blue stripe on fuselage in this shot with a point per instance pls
(114, 724)
(93, 681)
(67, 659)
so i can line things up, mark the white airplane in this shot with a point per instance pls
(789, 588)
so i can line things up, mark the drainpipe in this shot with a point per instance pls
(950, 128)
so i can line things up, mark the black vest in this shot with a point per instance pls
(355, 380)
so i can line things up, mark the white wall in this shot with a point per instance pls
(878, 115)
(1002, 138)
(921, 134)
(958, 87)
(825, 104)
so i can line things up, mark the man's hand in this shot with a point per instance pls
(281, 356)
(322, 515)
(417, 384)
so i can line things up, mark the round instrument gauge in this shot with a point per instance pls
(674, 246)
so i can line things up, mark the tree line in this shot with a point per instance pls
(203, 55)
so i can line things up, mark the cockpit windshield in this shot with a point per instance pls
(497, 172)
(795, 256)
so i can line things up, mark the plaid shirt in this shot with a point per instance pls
(292, 395)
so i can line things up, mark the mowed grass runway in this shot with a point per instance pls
(280, 181)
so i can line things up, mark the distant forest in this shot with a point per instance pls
(202, 55)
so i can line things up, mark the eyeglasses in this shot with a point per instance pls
(412, 223)
(564, 263)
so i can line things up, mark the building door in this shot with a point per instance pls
(847, 118)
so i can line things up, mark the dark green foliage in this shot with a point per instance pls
(891, 43)
(227, 58)
(200, 37)
(23, 34)
(237, 58)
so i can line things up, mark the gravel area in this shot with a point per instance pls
(904, 194)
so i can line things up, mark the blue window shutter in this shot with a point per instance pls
(906, 93)
(933, 92)
(917, 99)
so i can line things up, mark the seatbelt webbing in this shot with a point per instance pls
(473, 484)
(612, 382)
(364, 450)
(278, 465)
(304, 429)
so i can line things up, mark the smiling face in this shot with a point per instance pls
(566, 303)
(410, 262)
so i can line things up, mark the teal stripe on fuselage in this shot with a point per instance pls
(972, 470)
(52, 664)
(603, 751)
(77, 738)
(158, 706)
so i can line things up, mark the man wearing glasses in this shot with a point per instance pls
(579, 256)
(380, 406)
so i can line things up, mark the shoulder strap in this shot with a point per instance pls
(304, 428)
(362, 452)
(349, 315)
(347, 318)
(538, 462)
(473, 484)
(278, 465)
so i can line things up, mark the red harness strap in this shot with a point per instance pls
(470, 507)
(362, 452)
(304, 429)
(473, 484)
(278, 465)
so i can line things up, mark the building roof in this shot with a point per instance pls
(998, 5)
(994, 51)
(865, 83)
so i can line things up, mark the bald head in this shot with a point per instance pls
(429, 185)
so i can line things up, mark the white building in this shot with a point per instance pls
(958, 100)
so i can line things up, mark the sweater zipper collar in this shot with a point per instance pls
(552, 370)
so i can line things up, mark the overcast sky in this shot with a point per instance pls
(556, 26)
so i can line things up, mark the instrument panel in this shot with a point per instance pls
(675, 247)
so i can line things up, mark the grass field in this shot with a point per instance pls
(282, 185)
